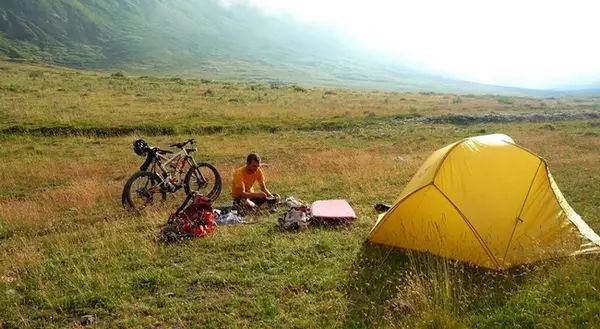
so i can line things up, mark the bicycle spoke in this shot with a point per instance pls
(146, 191)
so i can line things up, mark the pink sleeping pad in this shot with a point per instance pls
(332, 210)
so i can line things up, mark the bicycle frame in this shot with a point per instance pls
(180, 158)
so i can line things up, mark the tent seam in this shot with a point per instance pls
(477, 236)
(522, 207)
(385, 217)
(526, 150)
(437, 170)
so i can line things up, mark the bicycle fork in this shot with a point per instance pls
(198, 174)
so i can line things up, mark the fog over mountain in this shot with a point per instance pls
(427, 45)
(535, 44)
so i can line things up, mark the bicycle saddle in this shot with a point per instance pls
(161, 151)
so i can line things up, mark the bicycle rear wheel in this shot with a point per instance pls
(134, 194)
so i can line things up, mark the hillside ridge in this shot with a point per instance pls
(194, 38)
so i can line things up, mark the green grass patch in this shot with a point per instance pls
(68, 249)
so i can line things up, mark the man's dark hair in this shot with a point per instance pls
(252, 157)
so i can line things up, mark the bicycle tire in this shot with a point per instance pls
(126, 195)
(216, 191)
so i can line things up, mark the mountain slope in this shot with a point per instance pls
(202, 38)
(133, 31)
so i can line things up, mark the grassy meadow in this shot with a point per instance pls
(69, 250)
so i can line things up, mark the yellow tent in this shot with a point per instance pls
(487, 201)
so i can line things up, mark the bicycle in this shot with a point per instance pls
(166, 173)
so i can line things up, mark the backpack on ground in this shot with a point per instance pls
(190, 220)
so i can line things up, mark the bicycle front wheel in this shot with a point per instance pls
(205, 179)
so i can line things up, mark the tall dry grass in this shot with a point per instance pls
(50, 97)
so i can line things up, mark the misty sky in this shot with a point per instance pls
(526, 43)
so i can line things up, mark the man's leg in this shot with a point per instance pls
(246, 206)
(243, 205)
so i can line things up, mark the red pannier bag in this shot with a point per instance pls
(195, 219)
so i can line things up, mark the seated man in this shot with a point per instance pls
(242, 190)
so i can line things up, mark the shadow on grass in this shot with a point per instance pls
(277, 228)
(390, 286)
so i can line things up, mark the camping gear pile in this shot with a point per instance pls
(322, 212)
(196, 217)
(296, 217)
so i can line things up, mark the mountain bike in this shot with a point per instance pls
(164, 173)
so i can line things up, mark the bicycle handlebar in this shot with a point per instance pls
(183, 144)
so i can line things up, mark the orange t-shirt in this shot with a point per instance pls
(243, 181)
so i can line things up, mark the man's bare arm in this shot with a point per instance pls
(263, 187)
